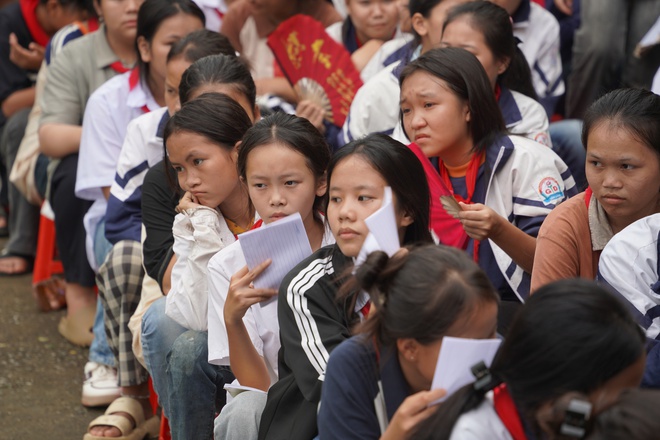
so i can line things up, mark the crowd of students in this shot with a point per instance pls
(156, 132)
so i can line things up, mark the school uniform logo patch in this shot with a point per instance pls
(542, 138)
(550, 190)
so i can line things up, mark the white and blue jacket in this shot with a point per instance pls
(538, 31)
(630, 266)
(522, 181)
(142, 149)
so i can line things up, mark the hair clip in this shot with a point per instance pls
(576, 417)
(483, 376)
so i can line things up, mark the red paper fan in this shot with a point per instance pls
(319, 68)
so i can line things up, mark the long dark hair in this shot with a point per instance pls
(420, 293)
(293, 132)
(218, 69)
(635, 110)
(545, 355)
(402, 171)
(200, 44)
(215, 116)
(466, 78)
(495, 25)
(152, 14)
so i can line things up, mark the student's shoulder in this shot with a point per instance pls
(108, 92)
(319, 265)
(228, 260)
(571, 213)
(540, 19)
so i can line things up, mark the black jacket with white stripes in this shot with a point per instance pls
(312, 324)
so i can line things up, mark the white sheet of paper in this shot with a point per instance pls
(383, 233)
(285, 242)
(652, 37)
(456, 359)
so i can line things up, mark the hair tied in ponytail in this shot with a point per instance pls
(368, 273)
(485, 380)
(576, 418)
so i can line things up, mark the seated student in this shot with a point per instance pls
(374, 107)
(484, 29)
(377, 384)
(282, 160)
(629, 265)
(538, 31)
(247, 24)
(173, 353)
(367, 26)
(25, 29)
(505, 185)
(79, 68)
(542, 358)
(312, 323)
(116, 103)
(621, 135)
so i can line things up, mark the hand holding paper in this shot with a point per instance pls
(285, 242)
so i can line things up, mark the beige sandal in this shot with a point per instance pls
(133, 408)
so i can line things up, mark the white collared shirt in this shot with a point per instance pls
(108, 112)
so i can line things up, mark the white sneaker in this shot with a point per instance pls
(100, 387)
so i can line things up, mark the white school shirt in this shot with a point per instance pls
(482, 423)
(655, 88)
(539, 35)
(260, 319)
(214, 11)
(109, 110)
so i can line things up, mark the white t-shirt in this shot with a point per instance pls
(109, 110)
(214, 11)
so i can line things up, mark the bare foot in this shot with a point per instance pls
(10, 265)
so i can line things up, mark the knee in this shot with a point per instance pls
(189, 352)
(240, 417)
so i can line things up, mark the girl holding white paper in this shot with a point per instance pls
(282, 160)
(377, 383)
(312, 319)
(570, 336)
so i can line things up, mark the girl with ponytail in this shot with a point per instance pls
(377, 383)
(571, 336)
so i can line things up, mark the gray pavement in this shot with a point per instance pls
(40, 372)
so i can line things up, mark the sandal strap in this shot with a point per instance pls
(122, 423)
(129, 406)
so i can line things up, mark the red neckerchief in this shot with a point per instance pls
(365, 310)
(256, 225)
(587, 196)
(133, 80)
(470, 183)
(220, 13)
(498, 92)
(450, 231)
(118, 67)
(507, 412)
(29, 13)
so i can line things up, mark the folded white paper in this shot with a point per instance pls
(383, 233)
(456, 359)
(285, 242)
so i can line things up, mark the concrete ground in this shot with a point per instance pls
(40, 372)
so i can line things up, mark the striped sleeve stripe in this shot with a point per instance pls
(311, 341)
(122, 181)
(528, 202)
